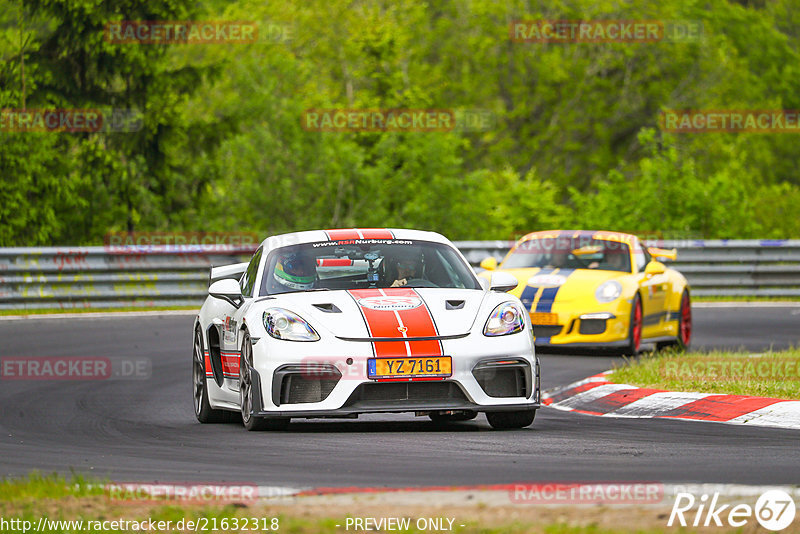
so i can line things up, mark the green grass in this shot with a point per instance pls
(38, 486)
(76, 498)
(773, 374)
(712, 298)
(42, 311)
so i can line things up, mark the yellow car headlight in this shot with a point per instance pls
(608, 291)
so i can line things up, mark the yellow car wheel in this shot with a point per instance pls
(635, 328)
(684, 338)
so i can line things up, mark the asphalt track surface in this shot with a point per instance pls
(145, 430)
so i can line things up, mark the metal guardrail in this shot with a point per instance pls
(101, 277)
(718, 268)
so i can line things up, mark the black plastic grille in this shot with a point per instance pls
(501, 382)
(408, 391)
(300, 389)
(592, 326)
(547, 330)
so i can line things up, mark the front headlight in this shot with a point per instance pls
(608, 291)
(505, 319)
(283, 324)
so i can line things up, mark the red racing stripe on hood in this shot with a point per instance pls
(359, 233)
(398, 313)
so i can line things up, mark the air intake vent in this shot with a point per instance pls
(592, 326)
(299, 389)
(328, 307)
(504, 378)
(303, 383)
(546, 330)
(408, 391)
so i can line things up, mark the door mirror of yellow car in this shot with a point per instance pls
(663, 254)
(654, 267)
(490, 264)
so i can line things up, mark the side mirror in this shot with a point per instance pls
(503, 282)
(654, 267)
(490, 264)
(227, 290)
(663, 254)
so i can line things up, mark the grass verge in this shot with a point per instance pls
(773, 374)
(51, 501)
(711, 298)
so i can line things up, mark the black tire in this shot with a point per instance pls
(684, 338)
(250, 421)
(202, 408)
(635, 328)
(508, 420)
(444, 418)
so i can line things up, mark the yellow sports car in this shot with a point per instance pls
(598, 289)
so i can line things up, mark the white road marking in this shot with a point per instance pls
(784, 414)
(657, 404)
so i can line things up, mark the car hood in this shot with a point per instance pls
(347, 314)
(563, 284)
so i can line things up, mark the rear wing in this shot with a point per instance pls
(662, 254)
(227, 271)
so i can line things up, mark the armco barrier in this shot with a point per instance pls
(719, 268)
(100, 277)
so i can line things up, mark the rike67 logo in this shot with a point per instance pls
(774, 510)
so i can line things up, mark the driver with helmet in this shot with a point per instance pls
(407, 269)
(402, 267)
(295, 272)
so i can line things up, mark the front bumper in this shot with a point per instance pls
(351, 392)
(572, 327)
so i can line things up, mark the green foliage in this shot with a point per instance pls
(573, 141)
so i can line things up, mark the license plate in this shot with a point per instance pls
(544, 318)
(431, 367)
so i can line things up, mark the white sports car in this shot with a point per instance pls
(337, 323)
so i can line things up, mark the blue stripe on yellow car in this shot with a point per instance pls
(530, 294)
(545, 303)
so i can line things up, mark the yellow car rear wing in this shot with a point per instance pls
(663, 254)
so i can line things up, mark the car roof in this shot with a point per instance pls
(595, 234)
(346, 234)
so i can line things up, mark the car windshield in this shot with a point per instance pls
(368, 263)
(570, 253)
